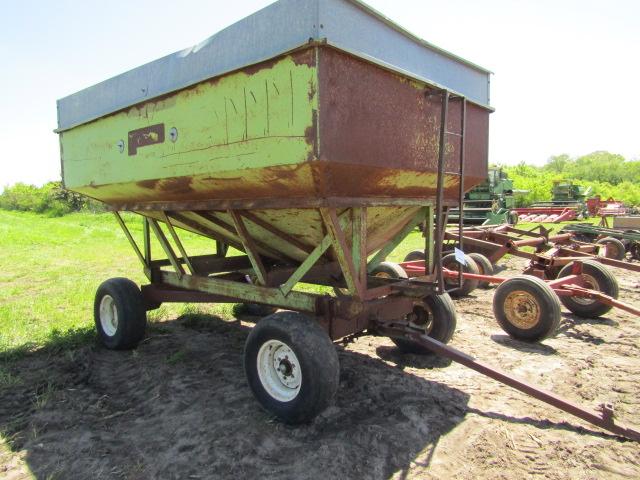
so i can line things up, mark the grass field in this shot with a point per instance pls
(50, 269)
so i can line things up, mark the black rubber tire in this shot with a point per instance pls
(605, 282)
(615, 248)
(442, 324)
(468, 285)
(389, 270)
(485, 267)
(540, 295)
(634, 250)
(513, 218)
(258, 310)
(318, 363)
(414, 255)
(131, 314)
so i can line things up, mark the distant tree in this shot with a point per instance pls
(557, 163)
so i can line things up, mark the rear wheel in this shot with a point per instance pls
(291, 366)
(434, 316)
(526, 308)
(595, 277)
(615, 248)
(449, 262)
(484, 267)
(119, 314)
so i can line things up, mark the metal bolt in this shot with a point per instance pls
(120, 145)
(173, 134)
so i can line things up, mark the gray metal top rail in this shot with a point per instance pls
(283, 26)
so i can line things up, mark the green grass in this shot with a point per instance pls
(50, 269)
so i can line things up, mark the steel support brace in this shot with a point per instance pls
(311, 260)
(395, 241)
(245, 292)
(176, 240)
(249, 247)
(429, 246)
(127, 234)
(168, 250)
(342, 251)
(359, 244)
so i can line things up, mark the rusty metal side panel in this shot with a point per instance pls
(381, 129)
(201, 141)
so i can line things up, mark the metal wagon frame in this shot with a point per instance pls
(370, 305)
(255, 278)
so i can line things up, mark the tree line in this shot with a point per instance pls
(608, 174)
(50, 199)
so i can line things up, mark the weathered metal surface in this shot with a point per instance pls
(281, 27)
(241, 136)
(312, 125)
(145, 136)
(373, 121)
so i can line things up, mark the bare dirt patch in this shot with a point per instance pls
(178, 407)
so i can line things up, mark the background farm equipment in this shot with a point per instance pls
(551, 252)
(586, 288)
(598, 207)
(568, 203)
(490, 203)
(619, 240)
(302, 155)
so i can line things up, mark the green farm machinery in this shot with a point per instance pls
(312, 137)
(490, 203)
(569, 202)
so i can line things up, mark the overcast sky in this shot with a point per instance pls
(566, 71)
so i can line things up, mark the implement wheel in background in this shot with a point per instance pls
(434, 316)
(615, 248)
(449, 262)
(119, 313)
(389, 270)
(527, 308)
(484, 267)
(291, 366)
(596, 277)
(414, 255)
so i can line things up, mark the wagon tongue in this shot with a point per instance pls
(603, 418)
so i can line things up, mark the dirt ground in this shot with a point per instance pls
(178, 407)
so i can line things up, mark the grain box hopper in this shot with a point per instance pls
(312, 136)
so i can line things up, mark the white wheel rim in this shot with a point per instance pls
(108, 315)
(279, 370)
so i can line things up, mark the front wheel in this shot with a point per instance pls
(434, 316)
(119, 314)
(527, 308)
(291, 366)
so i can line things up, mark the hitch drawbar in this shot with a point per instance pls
(604, 418)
